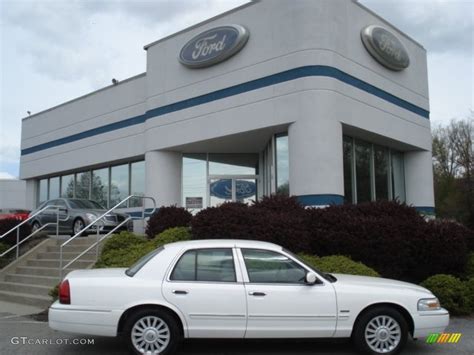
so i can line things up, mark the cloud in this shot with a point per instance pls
(6, 176)
(439, 25)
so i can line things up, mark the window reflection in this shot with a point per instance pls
(348, 170)
(67, 186)
(43, 191)
(118, 184)
(83, 181)
(233, 164)
(54, 187)
(362, 155)
(398, 177)
(194, 177)
(282, 165)
(100, 186)
(137, 183)
(381, 172)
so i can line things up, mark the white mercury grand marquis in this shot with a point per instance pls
(240, 289)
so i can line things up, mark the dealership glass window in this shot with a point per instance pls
(194, 180)
(381, 173)
(67, 186)
(83, 182)
(42, 191)
(372, 172)
(348, 169)
(137, 182)
(282, 165)
(363, 171)
(398, 177)
(119, 184)
(100, 186)
(53, 187)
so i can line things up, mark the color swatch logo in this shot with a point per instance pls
(443, 338)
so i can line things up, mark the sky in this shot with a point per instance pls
(54, 51)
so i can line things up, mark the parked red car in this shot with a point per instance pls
(18, 214)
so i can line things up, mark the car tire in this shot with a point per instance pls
(380, 330)
(75, 227)
(35, 226)
(144, 329)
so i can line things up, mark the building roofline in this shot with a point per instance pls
(388, 23)
(86, 95)
(252, 2)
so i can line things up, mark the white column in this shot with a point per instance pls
(316, 159)
(31, 198)
(419, 180)
(163, 177)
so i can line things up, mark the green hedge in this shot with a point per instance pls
(452, 293)
(339, 264)
(470, 266)
(124, 249)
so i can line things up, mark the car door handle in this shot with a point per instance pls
(180, 292)
(257, 294)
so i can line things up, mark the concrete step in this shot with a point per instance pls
(66, 255)
(78, 241)
(49, 281)
(25, 288)
(54, 263)
(40, 271)
(69, 249)
(32, 300)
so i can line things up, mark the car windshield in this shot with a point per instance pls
(326, 275)
(85, 204)
(132, 270)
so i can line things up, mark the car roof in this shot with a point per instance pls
(224, 243)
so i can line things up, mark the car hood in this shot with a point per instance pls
(379, 282)
(97, 273)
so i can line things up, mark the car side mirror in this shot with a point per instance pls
(311, 278)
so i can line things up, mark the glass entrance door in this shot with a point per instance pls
(226, 188)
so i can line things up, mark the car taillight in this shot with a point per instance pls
(64, 292)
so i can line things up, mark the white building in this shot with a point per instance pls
(270, 96)
(12, 194)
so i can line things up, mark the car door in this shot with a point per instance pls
(206, 286)
(280, 303)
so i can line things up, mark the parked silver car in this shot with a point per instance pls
(75, 214)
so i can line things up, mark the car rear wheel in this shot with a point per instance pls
(151, 331)
(35, 226)
(381, 330)
(77, 226)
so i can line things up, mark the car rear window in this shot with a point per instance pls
(84, 204)
(132, 270)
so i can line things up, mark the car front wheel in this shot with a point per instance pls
(77, 227)
(381, 330)
(152, 331)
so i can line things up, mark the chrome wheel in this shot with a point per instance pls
(78, 226)
(383, 334)
(35, 227)
(150, 335)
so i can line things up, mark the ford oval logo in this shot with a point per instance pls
(223, 189)
(213, 46)
(385, 47)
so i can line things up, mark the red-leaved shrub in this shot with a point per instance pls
(167, 217)
(9, 223)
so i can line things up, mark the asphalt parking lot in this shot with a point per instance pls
(13, 328)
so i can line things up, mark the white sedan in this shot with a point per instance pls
(240, 289)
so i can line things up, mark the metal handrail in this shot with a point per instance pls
(96, 243)
(61, 268)
(17, 227)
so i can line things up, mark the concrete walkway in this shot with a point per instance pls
(9, 309)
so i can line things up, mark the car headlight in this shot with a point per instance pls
(429, 304)
(91, 217)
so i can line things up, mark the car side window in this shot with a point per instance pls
(212, 265)
(265, 266)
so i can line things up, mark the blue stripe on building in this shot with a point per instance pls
(274, 79)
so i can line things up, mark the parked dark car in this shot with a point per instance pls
(75, 214)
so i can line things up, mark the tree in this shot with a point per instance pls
(453, 164)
